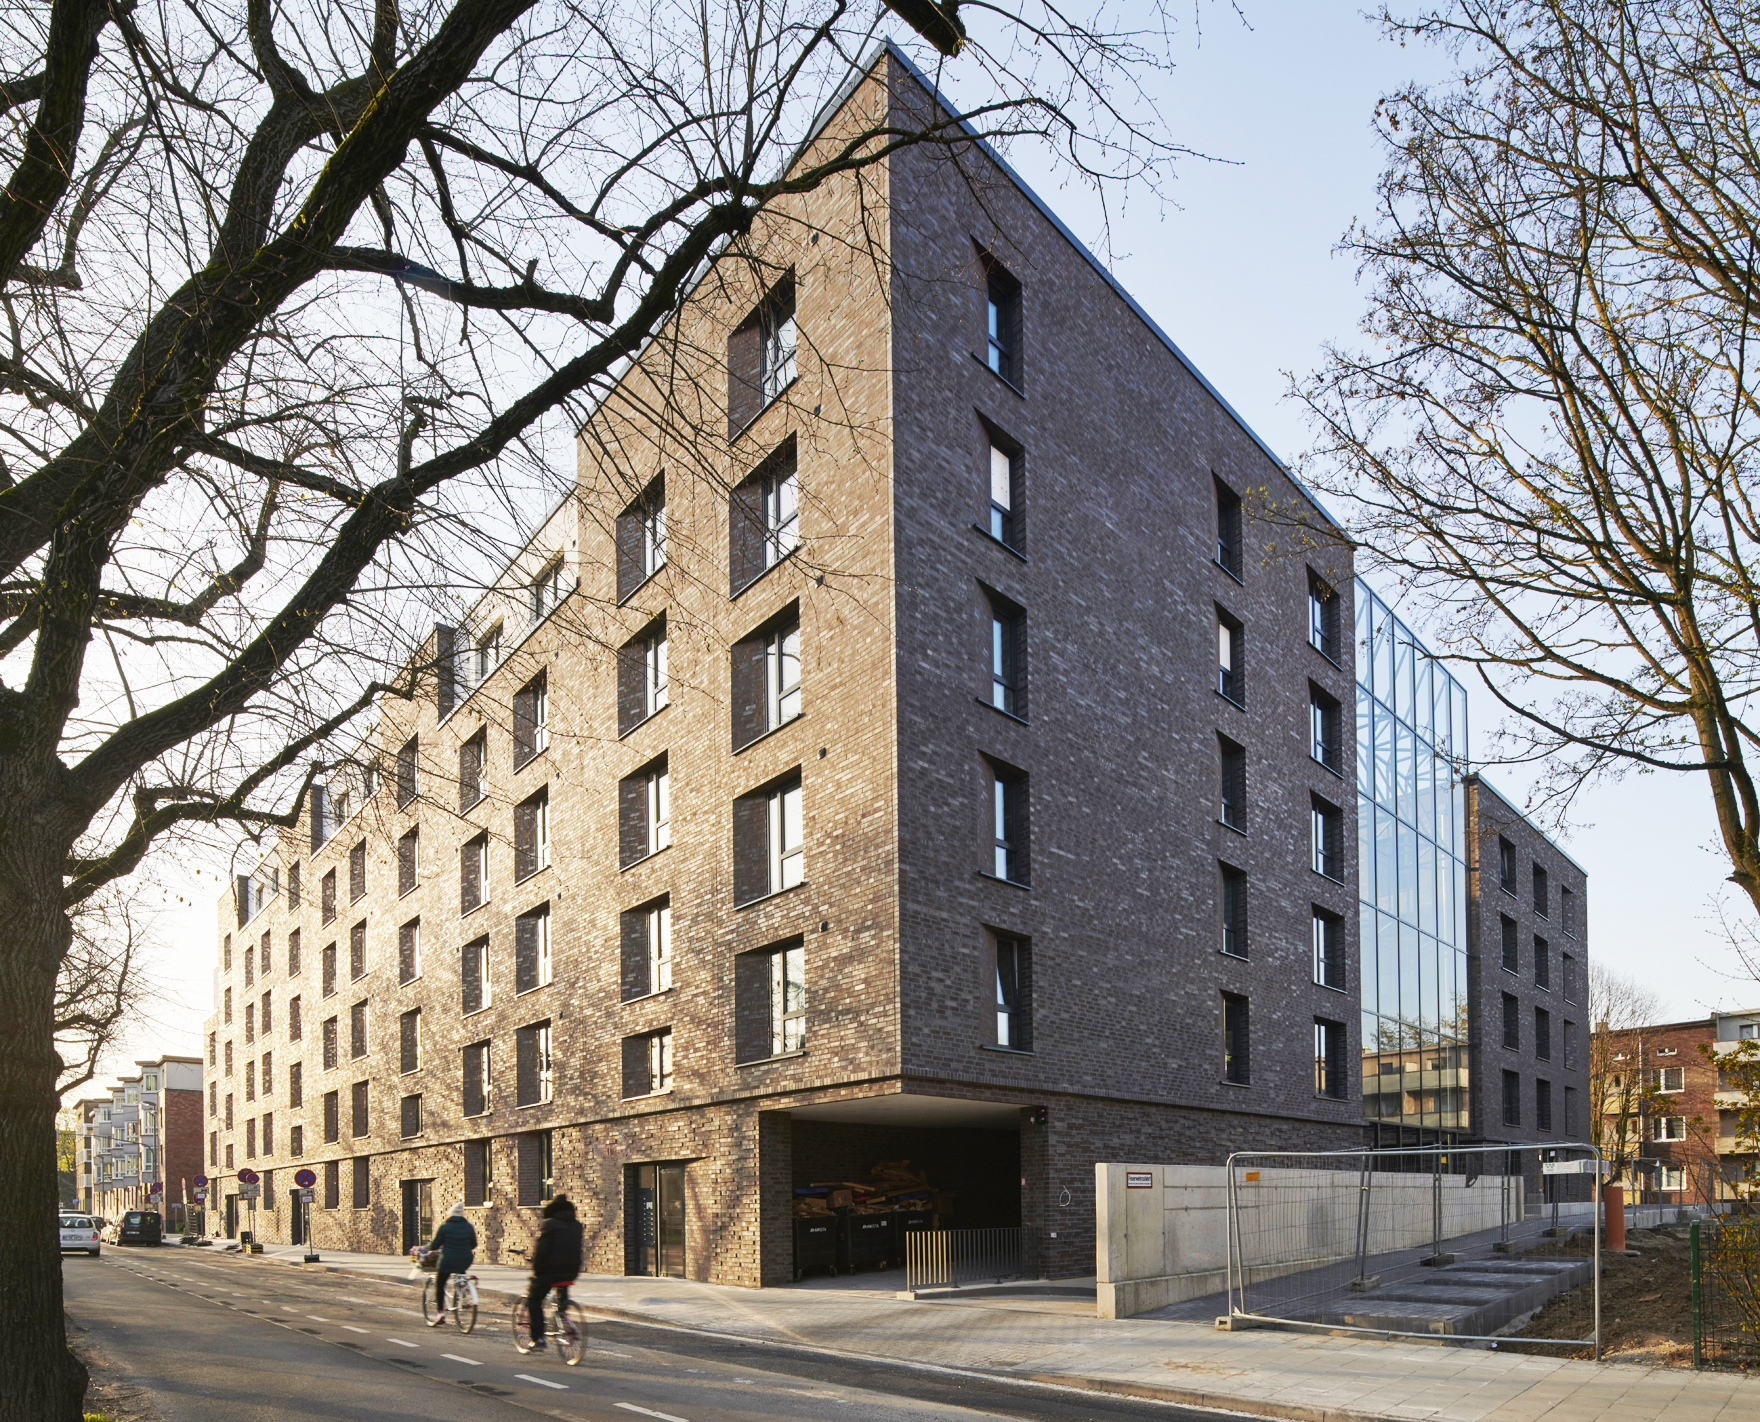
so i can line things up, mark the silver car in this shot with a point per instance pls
(80, 1232)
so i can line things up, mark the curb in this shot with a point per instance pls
(1148, 1392)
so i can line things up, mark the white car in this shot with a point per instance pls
(80, 1232)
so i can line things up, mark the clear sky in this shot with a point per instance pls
(1242, 274)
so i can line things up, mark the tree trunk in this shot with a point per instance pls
(39, 1377)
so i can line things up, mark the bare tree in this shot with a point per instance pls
(302, 305)
(1620, 1009)
(100, 992)
(1550, 432)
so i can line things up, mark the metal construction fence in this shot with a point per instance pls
(1726, 1293)
(1356, 1241)
(947, 1258)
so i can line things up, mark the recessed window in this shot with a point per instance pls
(788, 1000)
(359, 1122)
(1232, 763)
(1325, 732)
(474, 976)
(1567, 907)
(473, 872)
(1014, 992)
(1234, 911)
(296, 1084)
(1542, 963)
(357, 1030)
(1542, 903)
(406, 861)
(1009, 824)
(1506, 865)
(532, 967)
(328, 972)
(1543, 1105)
(647, 1063)
(332, 1117)
(547, 589)
(1323, 605)
(357, 872)
(1329, 968)
(1002, 320)
(761, 356)
(471, 755)
(487, 653)
(1542, 1034)
(1512, 1098)
(1668, 1079)
(1237, 1061)
(406, 773)
(357, 951)
(644, 802)
(409, 1041)
(477, 1082)
(294, 1025)
(409, 951)
(1228, 530)
(641, 539)
(1008, 656)
(534, 1068)
(293, 962)
(293, 899)
(1668, 1128)
(767, 677)
(531, 834)
(326, 898)
(1511, 952)
(330, 1043)
(1329, 1070)
(410, 1115)
(764, 518)
(1005, 474)
(531, 719)
(1512, 1022)
(646, 941)
(1327, 823)
(769, 853)
(1230, 661)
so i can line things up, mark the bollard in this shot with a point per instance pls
(1613, 1206)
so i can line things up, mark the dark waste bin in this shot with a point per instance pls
(815, 1243)
(870, 1240)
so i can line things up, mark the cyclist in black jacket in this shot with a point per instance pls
(556, 1260)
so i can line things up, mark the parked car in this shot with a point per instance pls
(80, 1232)
(139, 1227)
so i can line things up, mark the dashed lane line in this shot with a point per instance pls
(563, 1387)
(401, 1344)
(474, 1362)
(649, 1412)
(352, 1329)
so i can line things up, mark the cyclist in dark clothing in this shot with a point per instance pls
(556, 1260)
(456, 1239)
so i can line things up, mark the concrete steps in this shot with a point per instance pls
(1474, 1299)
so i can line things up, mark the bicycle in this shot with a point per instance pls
(463, 1304)
(566, 1324)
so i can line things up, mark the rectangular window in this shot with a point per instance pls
(330, 1039)
(213, 1047)
(410, 1116)
(474, 973)
(644, 812)
(357, 951)
(226, 953)
(250, 1140)
(1233, 764)
(1327, 825)
(329, 969)
(1234, 911)
(531, 720)
(476, 1079)
(1329, 970)
(1542, 964)
(228, 1110)
(1329, 1075)
(327, 896)
(537, 1170)
(1506, 865)
(488, 653)
(473, 872)
(1014, 992)
(479, 1158)
(788, 1002)
(357, 1030)
(358, 1121)
(1230, 663)
(1008, 657)
(1570, 1047)
(1511, 954)
(1571, 983)
(268, 1076)
(229, 1058)
(1325, 741)
(296, 1141)
(1236, 1041)
(265, 956)
(213, 1098)
(531, 949)
(1512, 1022)
(293, 962)
(764, 518)
(1669, 1128)
(548, 589)
(1228, 531)
(296, 1084)
(1323, 605)
(1009, 824)
(406, 862)
(1006, 465)
(776, 342)
(1543, 1105)
(228, 1005)
(767, 678)
(1542, 1034)
(332, 1184)
(1002, 321)
(268, 1136)
(250, 1023)
(406, 773)
(1669, 1079)
(409, 951)
(250, 1080)
(533, 1068)
(647, 1063)
(332, 1118)
(1542, 903)
(1512, 1098)
(643, 676)
(1567, 911)
(646, 945)
(293, 887)
(263, 1017)
(363, 1192)
(214, 1149)
(409, 1041)
(471, 756)
(641, 539)
(531, 834)
(357, 872)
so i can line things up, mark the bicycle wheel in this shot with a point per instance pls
(522, 1327)
(430, 1309)
(464, 1306)
(570, 1333)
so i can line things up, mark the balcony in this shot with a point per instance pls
(1733, 1145)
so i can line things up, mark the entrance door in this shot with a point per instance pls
(232, 1216)
(658, 1208)
(418, 1213)
(297, 1213)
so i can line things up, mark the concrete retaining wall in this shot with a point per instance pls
(1168, 1242)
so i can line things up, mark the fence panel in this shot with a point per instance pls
(1726, 1293)
(947, 1258)
(1389, 1242)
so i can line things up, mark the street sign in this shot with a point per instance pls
(305, 1197)
(201, 1180)
(249, 1192)
(1573, 1167)
(305, 1179)
(1139, 1180)
(247, 1176)
(200, 1192)
(155, 1189)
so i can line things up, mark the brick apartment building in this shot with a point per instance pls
(141, 1145)
(1668, 1114)
(926, 766)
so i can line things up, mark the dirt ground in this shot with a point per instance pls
(110, 1397)
(1646, 1303)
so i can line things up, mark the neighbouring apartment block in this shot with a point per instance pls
(140, 1146)
(899, 764)
(1669, 1113)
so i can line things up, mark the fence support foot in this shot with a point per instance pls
(1364, 1282)
(1506, 1246)
(1436, 1261)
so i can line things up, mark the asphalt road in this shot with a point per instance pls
(225, 1340)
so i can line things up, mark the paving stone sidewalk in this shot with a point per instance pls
(1312, 1378)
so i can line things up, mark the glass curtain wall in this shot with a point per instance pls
(1412, 882)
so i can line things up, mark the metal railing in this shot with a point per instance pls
(948, 1258)
(1312, 1234)
(1726, 1293)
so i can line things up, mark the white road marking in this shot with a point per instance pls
(352, 1329)
(609, 1354)
(315, 1319)
(563, 1387)
(649, 1412)
(401, 1344)
(475, 1363)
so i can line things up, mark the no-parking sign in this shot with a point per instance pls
(305, 1179)
(247, 1176)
